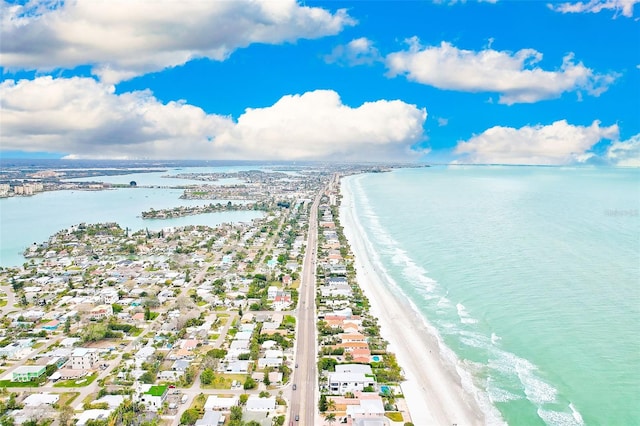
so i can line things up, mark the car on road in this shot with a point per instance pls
(296, 365)
(294, 387)
(297, 417)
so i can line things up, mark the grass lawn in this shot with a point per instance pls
(223, 381)
(10, 384)
(198, 402)
(67, 398)
(85, 381)
(394, 415)
(3, 302)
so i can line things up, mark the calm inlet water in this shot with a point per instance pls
(529, 276)
(28, 220)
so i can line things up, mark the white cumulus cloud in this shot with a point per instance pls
(514, 76)
(359, 51)
(87, 119)
(121, 39)
(556, 144)
(625, 153)
(620, 7)
(318, 125)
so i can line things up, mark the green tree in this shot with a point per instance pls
(330, 418)
(236, 413)
(266, 376)
(244, 398)
(67, 325)
(322, 405)
(66, 415)
(207, 376)
(331, 405)
(94, 332)
(217, 353)
(6, 420)
(249, 383)
(190, 416)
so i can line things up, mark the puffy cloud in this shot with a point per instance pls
(87, 119)
(318, 125)
(625, 153)
(513, 75)
(359, 51)
(556, 144)
(124, 38)
(623, 7)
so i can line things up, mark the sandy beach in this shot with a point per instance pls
(433, 390)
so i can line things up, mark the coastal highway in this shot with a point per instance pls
(303, 399)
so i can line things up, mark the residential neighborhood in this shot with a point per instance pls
(194, 325)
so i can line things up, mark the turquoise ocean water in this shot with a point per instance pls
(530, 276)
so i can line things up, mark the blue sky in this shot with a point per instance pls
(510, 82)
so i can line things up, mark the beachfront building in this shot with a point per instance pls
(27, 373)
(341, 383)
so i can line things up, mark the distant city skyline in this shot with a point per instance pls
(493, 82)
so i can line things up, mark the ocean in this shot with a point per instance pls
(530, 276)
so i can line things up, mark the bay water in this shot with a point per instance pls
(530, 276)
(28, 220)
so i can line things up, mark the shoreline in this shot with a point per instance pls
(433, 392)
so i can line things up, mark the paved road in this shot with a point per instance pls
(303, 399)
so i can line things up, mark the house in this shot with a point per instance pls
(101, 311)
(138, 317)
(87, 415)
(27, 373)
(17, 350)
(238, 367)
(51, 325)
(68, 374)
(211, 418)
(170, 375)
(109, 296)
(37, 399)
(272, 292)
(83, 358)
(354, 368)
(113, 401)
(215, 402)
(255, 403)
(341, 383)
(144, 354)
(269, 362)
(282, 301)
(181, 365)
(152, 396)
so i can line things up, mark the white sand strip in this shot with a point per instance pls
(433, 390)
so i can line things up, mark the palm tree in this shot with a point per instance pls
(331, 405)
(330, 418)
